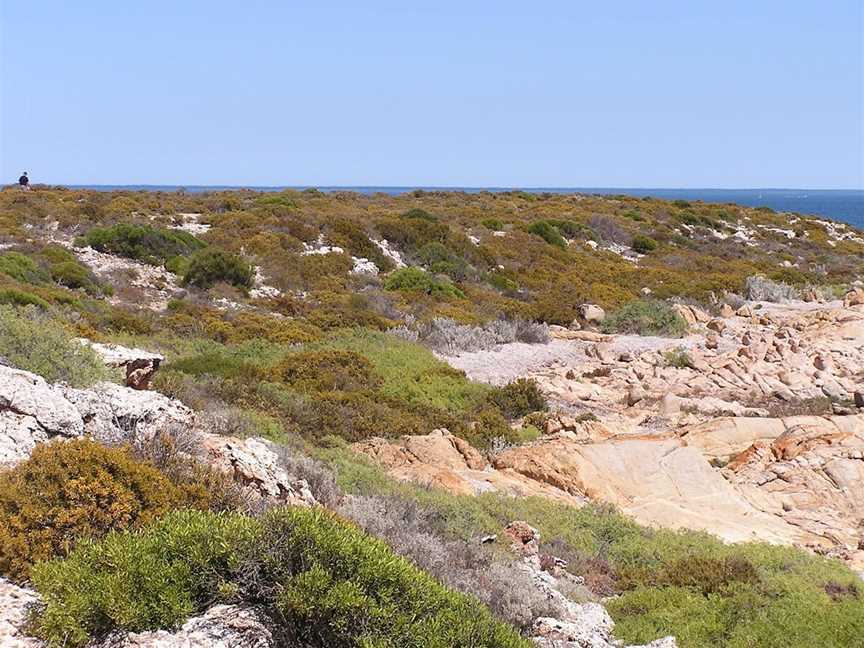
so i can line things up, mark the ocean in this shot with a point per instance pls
(837, 204)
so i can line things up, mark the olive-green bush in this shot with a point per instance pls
(141, 242)
(211, 266)
(548, 232)
(519, 398)
(413, 279)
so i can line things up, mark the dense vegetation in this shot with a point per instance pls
(329, 354)
(324, 583)
(33, 341)
(67, 492)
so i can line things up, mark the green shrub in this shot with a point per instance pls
(410, 234)
(139, 581)
(317, 371)
(142, 242)
(644, 244)
(440, 260)
(411, 373)
(178, 265)
(413, 279)
(679, 357)
(353, 237)
(22, 268)
(643, 317)
(501, 281)
(494, 224)
(422, 214)
(72, 274)
(33, 341)
(276, 200)
(547, 232)
(211, 266)
(68, 491)
(15, 297)
(571, 229)
(343, 588)
(323, 581)
(519, 398)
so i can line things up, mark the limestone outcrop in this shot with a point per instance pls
(230, 626)
(33, 411)
(254, 465)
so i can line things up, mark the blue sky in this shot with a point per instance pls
(613, 94)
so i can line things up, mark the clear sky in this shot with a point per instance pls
(544, 93)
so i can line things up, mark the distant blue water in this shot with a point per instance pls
(841, 205)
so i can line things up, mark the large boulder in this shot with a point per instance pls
(592, 313)
(854, 297)
(254, 465)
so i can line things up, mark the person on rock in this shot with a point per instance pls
(24, 182)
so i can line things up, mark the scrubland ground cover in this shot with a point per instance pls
(328, 355)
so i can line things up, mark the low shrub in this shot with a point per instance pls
(32, 340)
(22, 268)
(139, 581)
(323, 581)
(644, 244)
(141, 242)
(421, 214)
(410, 234)
(210, 266)
(416, 532)
(354, 238)
(519, 398)
(15, 297)
(451, 338)
(440, 260)
(73, 490)
(331, 370)
(72, 274)
(691, 585)
(644, 317)
(759, 288)
(572, 230)
(342, 588)
(494, 224)
(679, 357)
(413, 279)
(548, 232)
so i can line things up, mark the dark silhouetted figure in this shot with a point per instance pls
(24, 182)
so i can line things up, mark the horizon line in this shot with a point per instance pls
(444, 187)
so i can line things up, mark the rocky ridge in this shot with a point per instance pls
(688, 445)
